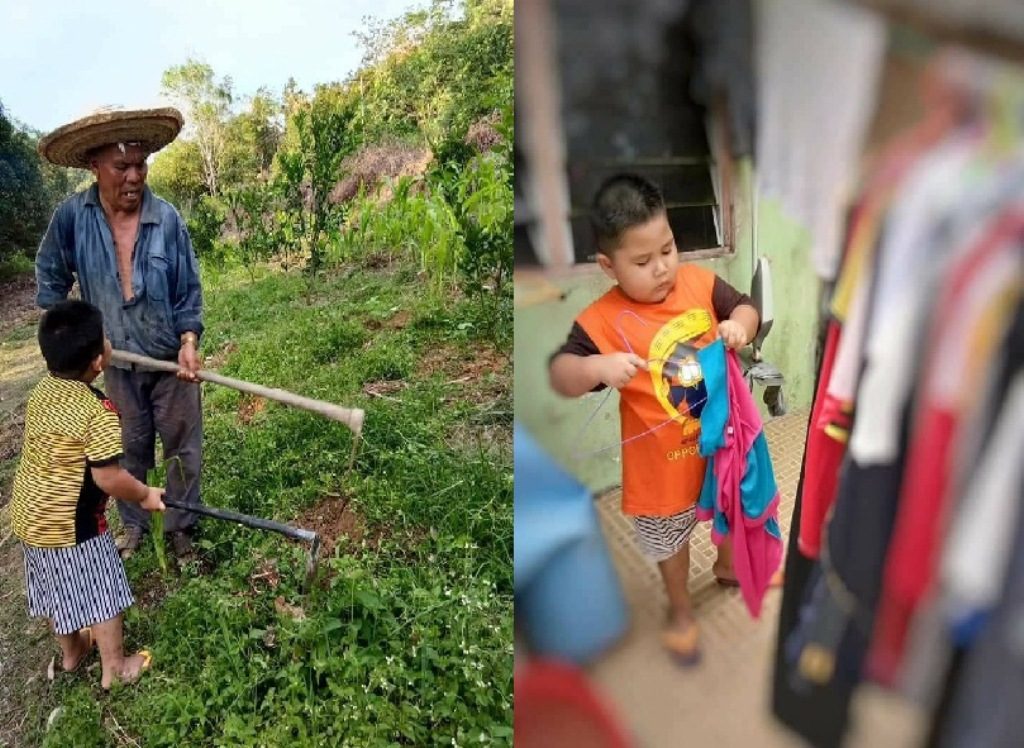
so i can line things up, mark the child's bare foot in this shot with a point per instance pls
(128, 671)
(681, 637)
(77, 650)
(724, 575)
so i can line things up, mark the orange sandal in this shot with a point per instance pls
(683, 645)
(147, 661)
(91, 642)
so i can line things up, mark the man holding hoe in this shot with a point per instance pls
(132, 256)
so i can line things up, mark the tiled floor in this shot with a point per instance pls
(724, 701)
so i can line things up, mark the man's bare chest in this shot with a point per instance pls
(125, 234)
(124, 238)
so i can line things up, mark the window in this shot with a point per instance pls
(623, 75)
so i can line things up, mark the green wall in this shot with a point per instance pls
(557, 422)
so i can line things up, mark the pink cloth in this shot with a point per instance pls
(747, 495)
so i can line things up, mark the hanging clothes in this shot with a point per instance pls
(981, 540)
(985, 273)
(986, 709)
(860, 530)
(825, 446)
(985, 693)
(833, 404)
(818, 713)
(977, 554)
(923, 232)
(891, 502)
(981, 681)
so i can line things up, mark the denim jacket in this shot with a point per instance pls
(167, 299)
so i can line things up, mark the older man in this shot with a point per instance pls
(131, 254)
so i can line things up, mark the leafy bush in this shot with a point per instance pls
(416, 221)
(204, 226)
(25, 204)
(486, 213)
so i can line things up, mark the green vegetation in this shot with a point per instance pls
(405, 638)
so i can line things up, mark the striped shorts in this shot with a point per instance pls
(76, 586)
(660, 538)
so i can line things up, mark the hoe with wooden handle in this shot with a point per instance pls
(351, 417)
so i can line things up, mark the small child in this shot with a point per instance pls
(641, 337)
(69, 466)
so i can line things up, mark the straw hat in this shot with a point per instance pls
(70, 144)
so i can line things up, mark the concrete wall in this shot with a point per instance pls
(558, 423)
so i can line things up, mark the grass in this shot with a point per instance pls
(14, 266)
(406, 638)
(20, 368)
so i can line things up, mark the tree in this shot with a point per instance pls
(25, 204)
(292, 97)
(320, 136)
(208, 106)
(253, 137)
(177, 174)
(58, 181)
(252, 213)
(434, 72)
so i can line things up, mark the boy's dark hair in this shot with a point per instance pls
(622, 202)
(70, 337)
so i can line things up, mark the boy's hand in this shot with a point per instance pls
(154, 501)
(617, 369)
(732, 334)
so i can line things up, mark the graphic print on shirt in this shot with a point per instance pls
(676, 374)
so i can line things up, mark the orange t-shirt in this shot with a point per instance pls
(662, 471)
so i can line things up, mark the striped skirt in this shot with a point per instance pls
(660, 538)
(76, 586)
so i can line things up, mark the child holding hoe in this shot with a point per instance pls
(69, 467)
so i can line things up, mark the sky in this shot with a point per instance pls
(61, 59)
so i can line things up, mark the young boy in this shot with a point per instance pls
(69, 466)
(641, 338)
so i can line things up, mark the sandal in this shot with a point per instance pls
(683, 645)
(147, 660)
(52, 669)
(129, 542)
(777, 580)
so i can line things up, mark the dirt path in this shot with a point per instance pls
(25, 647)
(17, 303)
(21, 366)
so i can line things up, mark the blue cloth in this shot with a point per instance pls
(757, 489)
(716, 410)
(712, 428)
(568, 600)
(165, 275)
